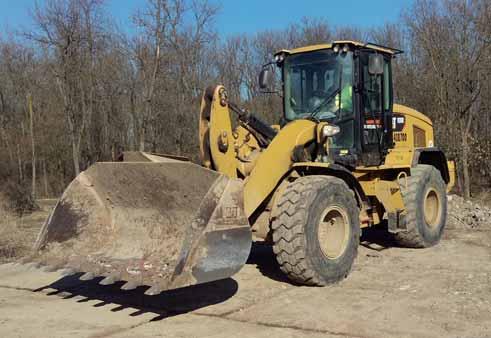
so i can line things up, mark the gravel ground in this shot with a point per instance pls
(444, 291)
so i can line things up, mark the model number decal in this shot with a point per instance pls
(400, 137)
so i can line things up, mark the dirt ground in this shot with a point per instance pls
(443, 291)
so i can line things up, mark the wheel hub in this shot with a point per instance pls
(333, 232)
(432, 208)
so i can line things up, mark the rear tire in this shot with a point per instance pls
(316, 230)
(425, 199)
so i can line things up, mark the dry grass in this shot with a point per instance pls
(13, 240)
(17, 234)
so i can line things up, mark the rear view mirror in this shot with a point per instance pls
(376, 64)
(266, 77)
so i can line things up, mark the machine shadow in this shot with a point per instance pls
(167, 304)
(180, 301)
(263, 257)
(378, 238)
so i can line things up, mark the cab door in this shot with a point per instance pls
(376, 108)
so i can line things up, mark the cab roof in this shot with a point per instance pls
(356, 44)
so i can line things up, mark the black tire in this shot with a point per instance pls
(296, 222)
(423, 231)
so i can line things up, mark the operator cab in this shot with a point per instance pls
(345, 83)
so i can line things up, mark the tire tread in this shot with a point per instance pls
(288, 229)
(412, 238)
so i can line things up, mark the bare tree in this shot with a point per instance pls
(68, 31)
(93, 90)
(33, 145)
(448, 37)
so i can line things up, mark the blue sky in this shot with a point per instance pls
(248, 16)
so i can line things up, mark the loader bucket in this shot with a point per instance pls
(166, 225)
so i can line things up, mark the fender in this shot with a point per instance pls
(275, 162)
(336, 170)
(432, 156)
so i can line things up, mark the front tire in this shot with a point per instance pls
(425, 200)
(316, 230)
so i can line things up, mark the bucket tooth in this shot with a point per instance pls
(131, 285)
(154, 291)
(111, 279)
(87, 276)
(68, 272)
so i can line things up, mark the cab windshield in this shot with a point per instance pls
(320, 85)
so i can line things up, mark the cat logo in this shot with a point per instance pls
(230, 212)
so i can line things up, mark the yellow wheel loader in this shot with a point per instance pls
(342, 158)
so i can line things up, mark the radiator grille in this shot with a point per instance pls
(419, 137)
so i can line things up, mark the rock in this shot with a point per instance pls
(466, 214)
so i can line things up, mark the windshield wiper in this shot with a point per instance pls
(313, 113)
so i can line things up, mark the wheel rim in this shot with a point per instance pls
(333, 232)
(432, 209)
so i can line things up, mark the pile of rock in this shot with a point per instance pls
(466, 214)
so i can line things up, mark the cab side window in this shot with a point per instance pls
(372, 85)
(375, 90)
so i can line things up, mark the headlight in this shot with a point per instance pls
(279, 58)
(330, 130)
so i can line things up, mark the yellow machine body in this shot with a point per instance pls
(268, 168)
